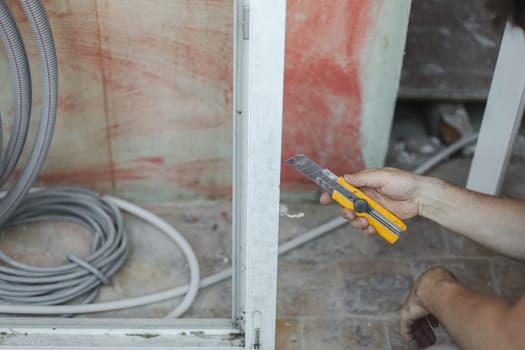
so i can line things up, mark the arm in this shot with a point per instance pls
(497, 223)
(494, 222)
(474, 320)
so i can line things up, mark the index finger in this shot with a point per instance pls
(325, 198)
(372, 177)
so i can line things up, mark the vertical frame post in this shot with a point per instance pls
(502, 116)
(259, 77)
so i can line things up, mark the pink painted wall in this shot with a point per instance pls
(146, 92)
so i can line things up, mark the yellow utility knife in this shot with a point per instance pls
(385, 223)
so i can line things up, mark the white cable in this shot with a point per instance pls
(440, 156)
(314, 233)
(172, 233)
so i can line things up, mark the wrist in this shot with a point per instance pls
(434, 285)
(429, 192)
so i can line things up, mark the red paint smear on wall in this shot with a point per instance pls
(196, 174)
(151, 160)
(90, 176)
(322, 99)
(186, 174)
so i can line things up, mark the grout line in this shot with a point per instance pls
(416, 259)
(389, 316)
(454, 257)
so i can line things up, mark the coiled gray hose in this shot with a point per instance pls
(16, 54)
(41, 29)
(21, 283)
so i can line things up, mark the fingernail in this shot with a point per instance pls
(348, 177)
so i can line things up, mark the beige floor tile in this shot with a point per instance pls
(343, 333)
(288, 335)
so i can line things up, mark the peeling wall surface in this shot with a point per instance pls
(145, 104)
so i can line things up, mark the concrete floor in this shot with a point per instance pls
(341, 291)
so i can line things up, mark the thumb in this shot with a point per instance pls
(368, 178)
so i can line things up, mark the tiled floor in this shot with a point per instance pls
(341, 291)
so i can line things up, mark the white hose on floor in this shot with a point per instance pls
(173, 234)
(445, 153)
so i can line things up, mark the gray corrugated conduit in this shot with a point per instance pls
(21, 78)
(32, 290)
(42, 32)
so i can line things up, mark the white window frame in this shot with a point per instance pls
(502, 117)
(259, 36)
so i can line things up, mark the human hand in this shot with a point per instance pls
(394, 189)
(416, 321)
